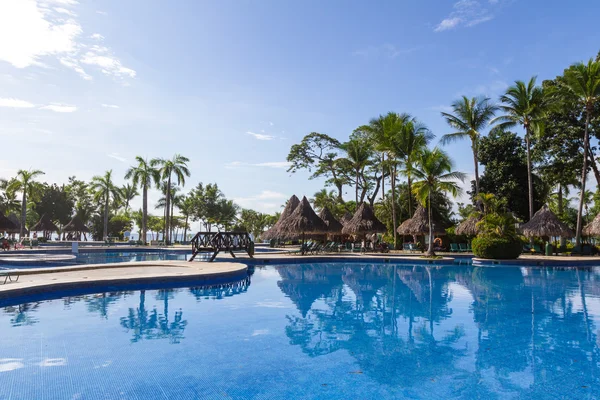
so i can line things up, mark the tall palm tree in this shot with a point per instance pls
(469, 117)
(358, 157)
(376, 132)
(23, 183)
(104, 189)
(526, 105)
(176, 166)
(187, 206)
(581, 82)
(434, 174)
(128, 193)
(143, 175)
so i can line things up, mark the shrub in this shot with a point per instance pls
(503, 248)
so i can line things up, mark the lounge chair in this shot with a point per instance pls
(454, 248)
(462, 247)
(9, 274)
(357, 247)
(469, 248)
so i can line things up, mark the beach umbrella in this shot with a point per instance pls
(290, 206)
(469, 226)
(545, 223)
(363, 222)
(15, 220)
(418, 224)
(302, 221)
(5, 223)
(593, 228)
(334, 227)
(76, 225)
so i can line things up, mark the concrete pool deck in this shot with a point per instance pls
(38, 280)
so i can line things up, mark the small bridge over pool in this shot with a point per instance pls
(215, 242)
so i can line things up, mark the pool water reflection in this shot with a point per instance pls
(331, 331)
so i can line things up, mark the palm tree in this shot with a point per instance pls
(376, 132)
(323, 199)
(187, 206)
(358, 157)
(582, 83)
(434, 174)
(128, 193)
(469, 118)
(526, 105)
(104, 189)
(24, 183)
(178, 166)
(143, 175)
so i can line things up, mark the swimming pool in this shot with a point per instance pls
(328, 331)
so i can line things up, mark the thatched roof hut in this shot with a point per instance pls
(419, 224)
(545, 223)
(5, 223)
(290, 206)
(469, 226)
(334, 227)
(345, 218)
(76, 225)
(364, 222)
(15, 220)
(303, 220)
(45, 224)
(593, 228)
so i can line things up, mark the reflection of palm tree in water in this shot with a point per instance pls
(23, 314)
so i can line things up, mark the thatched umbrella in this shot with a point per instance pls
(290, 206)
(363, 222)
(5, 223)
(593, 228)
(15, 220)
(334, 227)
(76, 225)
(44, 225)
(303, 220)
(419, 225)
(345, 218)
(545, 223)
(469, 226)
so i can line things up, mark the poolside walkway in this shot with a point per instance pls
(45, 279)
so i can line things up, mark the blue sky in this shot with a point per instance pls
(85, 86)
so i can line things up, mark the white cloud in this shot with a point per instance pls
(387, 50)
(60, 108)
(273, 164)
(108, 64)
(101, 12)
(97, 36)
(61, 10)
(15, 103)
(74, 65)
(270, 123)
(117, 157)
(469, 13)
(65, 2)
(110, 106)
(260, 136)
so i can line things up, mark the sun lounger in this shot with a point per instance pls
(9, 275)
(462, 247)
(454, 248)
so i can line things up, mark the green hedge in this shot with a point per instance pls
(501, 248)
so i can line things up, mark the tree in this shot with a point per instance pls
(581, 82)
(128, 193)
(176, 166)
(526, 105)
(186, 206)
(469, 118)
(323, 199)
(434, 174)
(143, 175)
(104, 189)
(359, 154)
(503, 155)
(24, 183)
(56, 203)
(319, 153)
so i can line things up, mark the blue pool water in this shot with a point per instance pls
(326, 331)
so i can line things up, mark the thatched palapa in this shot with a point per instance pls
(5, 223)
(334, 227)
(44, 225)
(345, 218)
(364, 222)
(469, 226)
(419, 224)
(303, 220)
(76, 225)
(290, 206)
(545, 223)
(593, 228)
(15, 220)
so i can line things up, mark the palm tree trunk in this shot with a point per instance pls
(476, 162)
(171, 222)
(167, 209)
(356, 191)
(586, 139)
(593, 164)
(105, 232)
(23, 212)
(430, 251)
(409, 184)
(144, 212)
(529, 175)
(393, 182)
(382, 177)
(185, 228)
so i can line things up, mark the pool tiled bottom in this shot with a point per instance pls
(327, 331)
